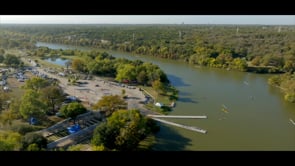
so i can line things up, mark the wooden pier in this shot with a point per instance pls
(182, 126)
(178, 116)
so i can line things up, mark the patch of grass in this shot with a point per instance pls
(147, 143)
(15, 86)
(25, 128)
(55, 119)
(170, 94)
(163, 110)
(72, 57)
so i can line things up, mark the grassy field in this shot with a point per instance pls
(147, 143)
(166, 99)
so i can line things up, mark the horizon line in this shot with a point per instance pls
(140, 24)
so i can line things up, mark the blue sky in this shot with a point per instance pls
(149, 19)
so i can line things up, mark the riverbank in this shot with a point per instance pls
(203, 90)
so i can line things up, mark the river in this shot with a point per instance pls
(257, 118)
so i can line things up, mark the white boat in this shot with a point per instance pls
(292, 121)
(172, 104)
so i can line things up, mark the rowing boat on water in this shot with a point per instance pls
(292, 121)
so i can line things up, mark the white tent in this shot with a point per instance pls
(159, 104)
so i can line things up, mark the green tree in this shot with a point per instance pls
(275, 80)
(36, 83)
(290, 97)
(77, 147)
(12, 60)
(142, 77)
(14, 107)
(109, 104)
(72, 110)
(2, 51)
(4, 99)
(78, 65)
(240, 64)
(7, 117)
(10, 141)
(31, 105)
(33, 147)
(52, 96)
(34, 138)
(123, 91)
(123, 131)
(256, 61)
(158, 86)
(1, 58)
(289, 66)
(126, 72)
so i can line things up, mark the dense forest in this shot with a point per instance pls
(268, 48)
(252, 48)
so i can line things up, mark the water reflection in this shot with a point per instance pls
(186, 100)
(177, 81)
(165, 143)
(57, 61)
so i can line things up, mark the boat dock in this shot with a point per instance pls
(182, 126)
(178, 116)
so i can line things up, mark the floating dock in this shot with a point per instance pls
(182, 126)
(178, 116)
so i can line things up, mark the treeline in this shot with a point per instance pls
(269, 49)
(10, 60)
(104, 64)
(13, 39)
(286, 83)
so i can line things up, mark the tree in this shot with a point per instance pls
(1, 58)
(289, 66)
(240, 64)
(6, 117)
(72, 110)
(10, 141)
(12, 60)
(34, 138)
(33, 147)
(123, 91)
(142, 77)
(109, 104)
(31, 105)
(52, 96)
(275, 80)
(78, 65)
(36, 83)
(4, 98)
(2, 51)
(123, 131)
(158, 86)
(256, 61)
(126, 72)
